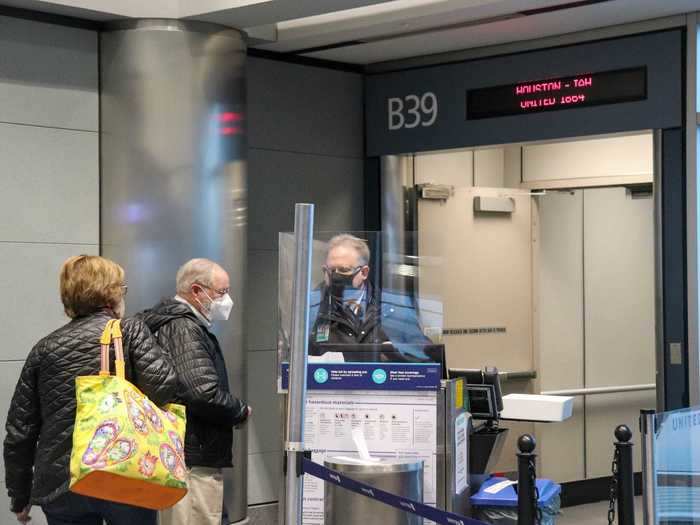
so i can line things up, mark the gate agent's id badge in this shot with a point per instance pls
(323, 332)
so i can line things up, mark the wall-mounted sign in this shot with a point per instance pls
(591, 89)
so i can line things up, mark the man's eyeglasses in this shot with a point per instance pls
(222, 291)
(342, 270)
(125, 289)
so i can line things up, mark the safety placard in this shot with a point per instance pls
(400, 424)
(461, 473)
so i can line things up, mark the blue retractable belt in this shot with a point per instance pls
(405, 504)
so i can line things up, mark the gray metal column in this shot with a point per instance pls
(173, 177)
(692, 191)
(296, 399)
(647, 425)
(659, 271)
(398, 216)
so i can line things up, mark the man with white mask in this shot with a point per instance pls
(182, 326)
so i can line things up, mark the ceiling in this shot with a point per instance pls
(370, 31)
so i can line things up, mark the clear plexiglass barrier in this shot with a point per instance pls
(677, 466)
(371, 299)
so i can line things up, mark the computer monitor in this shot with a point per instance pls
(482, 388)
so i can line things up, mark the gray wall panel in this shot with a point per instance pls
(279, 179)
(304, 109)
(50, 176)
(264, 473)
(49, 185)
(306, 145)
(264, 429)
(261, 302)
(34, 307)
(48, 75)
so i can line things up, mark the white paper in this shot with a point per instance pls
(393, 426)
(498, 487)
(461, 474)
(359, 438)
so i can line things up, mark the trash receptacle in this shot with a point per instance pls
(403, 477)
(497, 502)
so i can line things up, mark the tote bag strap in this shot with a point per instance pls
(112, 334)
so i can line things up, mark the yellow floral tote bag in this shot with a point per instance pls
(125, 449)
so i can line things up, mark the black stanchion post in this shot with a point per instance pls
(625, 476)
(527, 490)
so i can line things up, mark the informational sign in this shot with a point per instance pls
(461, 462)
(369, 376)
(592, 88)
(585, 89)
(677, 466)
(678, 442)
(400, 424)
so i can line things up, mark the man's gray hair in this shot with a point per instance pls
(199, 271)
(359, 245)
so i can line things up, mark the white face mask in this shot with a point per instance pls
(220, 309)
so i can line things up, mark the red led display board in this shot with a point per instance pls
(554, 94)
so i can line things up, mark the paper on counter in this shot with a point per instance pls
(498, 487)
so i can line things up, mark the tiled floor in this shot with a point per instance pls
(263, 514)
(593, 514)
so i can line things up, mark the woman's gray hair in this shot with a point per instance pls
(199, 271)
(359, 245)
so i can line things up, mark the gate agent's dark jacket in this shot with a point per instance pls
(203, 386)
(42, 412)
(387, 318)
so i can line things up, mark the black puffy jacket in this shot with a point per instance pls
(203, 385)
(42, 413)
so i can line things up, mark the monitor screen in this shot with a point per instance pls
(481, 401)
(483, 391)
(553, 94)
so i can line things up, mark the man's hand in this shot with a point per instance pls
(249, 413)
(24, 517)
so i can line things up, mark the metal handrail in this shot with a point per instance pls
(504, 376)
(600, 390)
(524, 374)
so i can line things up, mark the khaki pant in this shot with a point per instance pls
(203, 503)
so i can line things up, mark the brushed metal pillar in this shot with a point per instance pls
(173, 173)
(398, 218)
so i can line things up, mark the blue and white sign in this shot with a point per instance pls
(379, 376)
(369, 376)
(321, 375)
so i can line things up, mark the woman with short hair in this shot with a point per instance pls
(42, 413)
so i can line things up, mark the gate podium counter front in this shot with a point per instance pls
(403, 410)
(407, 411)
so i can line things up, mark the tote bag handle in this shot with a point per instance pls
(112, 334)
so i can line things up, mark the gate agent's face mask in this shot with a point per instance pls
(342, 283)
